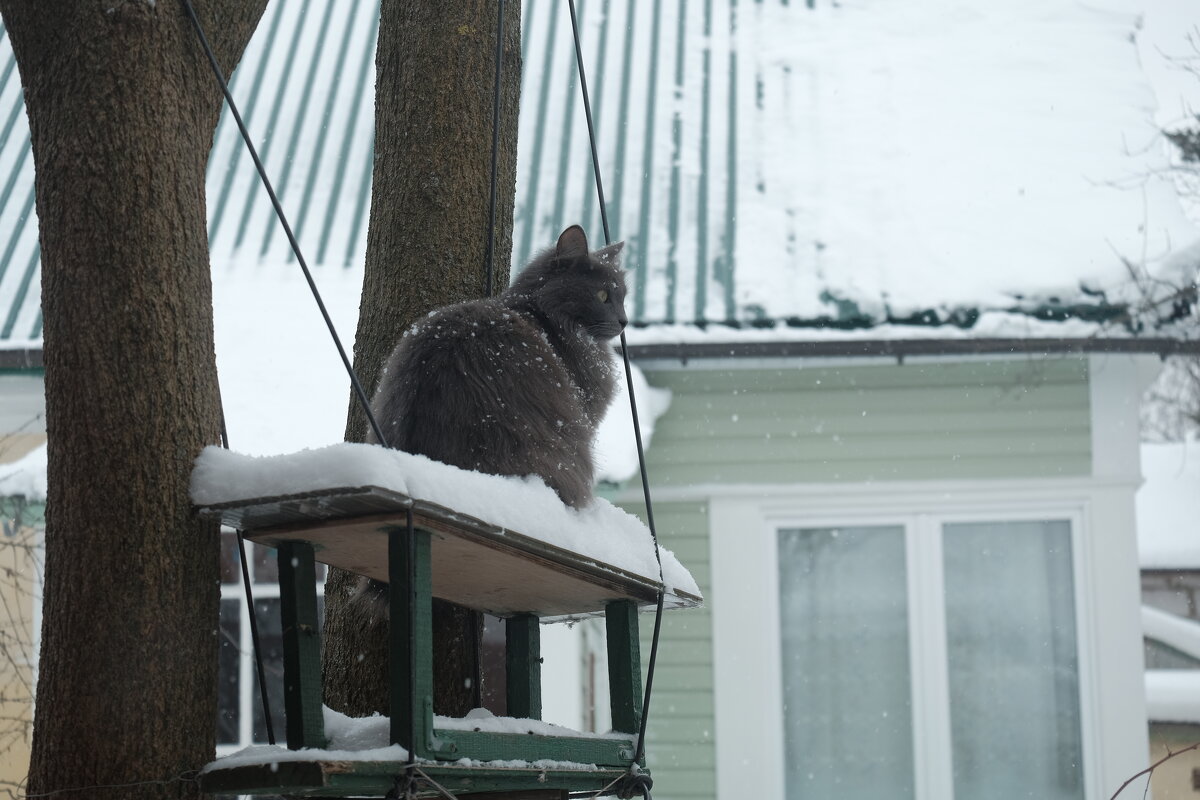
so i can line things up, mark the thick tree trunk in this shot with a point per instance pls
(435, 69)
(122, 109)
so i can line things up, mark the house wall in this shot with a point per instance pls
(22, 428)
(841, 423)
(757, 429)
(1179, 777)
(19, 618)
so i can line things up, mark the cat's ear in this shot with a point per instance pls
(572, 244)
(610, 254)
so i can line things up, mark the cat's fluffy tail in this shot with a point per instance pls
(370, 598)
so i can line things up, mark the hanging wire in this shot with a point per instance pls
(489, 257)
(637, 428)
(287, 228)
(254, 639)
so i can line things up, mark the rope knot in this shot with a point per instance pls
(634, 783)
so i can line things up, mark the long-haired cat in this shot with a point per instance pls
(515, 384)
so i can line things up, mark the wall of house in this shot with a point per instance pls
(993, 419)
(1179, 777)
(22, 429)
(776, 424)
(20, 560)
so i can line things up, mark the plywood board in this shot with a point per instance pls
(475, 563)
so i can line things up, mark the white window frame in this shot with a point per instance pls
(745, 603)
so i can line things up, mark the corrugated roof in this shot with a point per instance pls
(305, 87)
(664, 92)
(765, 161)
(663, 78)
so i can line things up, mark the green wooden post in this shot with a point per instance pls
(301, 646)
(411, 638)
(523, 665)
(624, 665)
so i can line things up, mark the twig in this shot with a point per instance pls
(1150, 769)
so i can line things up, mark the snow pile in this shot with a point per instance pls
(26, 476)
(1168, 506)
(525, 505)
(366, 739)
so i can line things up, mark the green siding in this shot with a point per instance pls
(680, 749)
(1002, 419)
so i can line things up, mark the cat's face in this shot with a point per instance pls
(584, 292)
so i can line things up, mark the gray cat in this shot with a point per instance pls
(515, 384)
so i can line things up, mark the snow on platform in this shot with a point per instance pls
(601, 532)
(365, 739)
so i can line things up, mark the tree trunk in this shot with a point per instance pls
(426, 245)
(122, 109)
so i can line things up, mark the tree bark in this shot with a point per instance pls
(426, 243)
(122, 109)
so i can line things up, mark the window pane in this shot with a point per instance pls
(1014, 672)
(271, 641)
(846, 689)
(228, 661)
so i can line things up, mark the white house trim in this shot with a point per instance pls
(745, 596)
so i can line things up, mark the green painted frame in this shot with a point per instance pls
(439, 752)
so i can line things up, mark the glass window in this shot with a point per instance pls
(228, 661)
(846, 687)
(240, 720)
(1012, 660)
(987, 607)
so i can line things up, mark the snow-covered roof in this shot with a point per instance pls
(860, 161)
(1168, 506)
(847, 164)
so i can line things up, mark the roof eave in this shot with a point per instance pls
(21, 358)
(901, 348)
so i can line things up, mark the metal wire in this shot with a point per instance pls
(637, 428)
(254, 640)
(287, 228)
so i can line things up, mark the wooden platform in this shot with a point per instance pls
(376, 778)
(475, 563)
(425, 550)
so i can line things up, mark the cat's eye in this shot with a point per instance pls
(602, 295)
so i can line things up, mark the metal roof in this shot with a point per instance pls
(305, 87)
(675, 87)
(306, 90)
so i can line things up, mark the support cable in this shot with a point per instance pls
(254, 639)
(287, 228)
(489, 256)
(637, 428)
